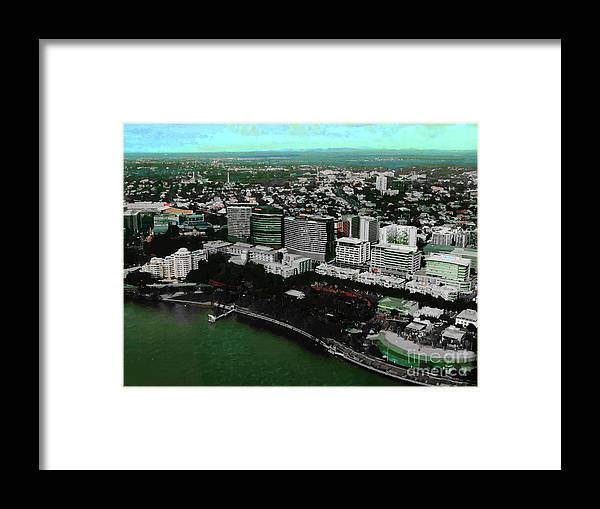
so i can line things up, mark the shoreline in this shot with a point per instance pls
(337, 349)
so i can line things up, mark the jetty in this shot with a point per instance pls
(213, 318)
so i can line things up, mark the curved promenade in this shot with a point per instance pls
(366, 361)
(340, 350)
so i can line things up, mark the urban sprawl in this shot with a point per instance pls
(386, 258)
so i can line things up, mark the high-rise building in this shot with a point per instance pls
(310, 236)
(442, 236)
(342, 228)
(398, 234)
(182, 263)
(462, 238)
(381, 183)
(132, 220)
(349, 251)
(353, 226)
(395, 258)
(238, 222)
(369, 229)
(266, 226)
(448, 236)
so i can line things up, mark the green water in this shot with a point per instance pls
(173, 344)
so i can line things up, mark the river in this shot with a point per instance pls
(169, 344)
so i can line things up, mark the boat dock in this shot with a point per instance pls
(213, 318)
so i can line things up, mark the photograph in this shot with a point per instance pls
(300, 254)
(311, 254)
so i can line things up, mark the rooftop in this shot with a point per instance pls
(295, 293)
(468, 314)
(431, 311)
(456, 260)
(453, 333)
(396, 303)
(396, 247)
(350, 240)
(416, 326)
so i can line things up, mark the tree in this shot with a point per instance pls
(138, 278)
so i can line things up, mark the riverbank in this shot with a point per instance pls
(172, 344)
(405, 374)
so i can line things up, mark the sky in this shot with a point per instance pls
(173, 138)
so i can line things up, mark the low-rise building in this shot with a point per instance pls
(257, 254)
(147, 206)
(451, 270)
(290, 265)
(216, 246)
(326, 269)
(466, 317)
(403, 306)
(372, 278)
(453, 336)
(430, 312)
(435, 289)
(417, 328)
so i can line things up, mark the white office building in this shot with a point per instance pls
(290, 265)
(395, 258)
(381, 183)
(350, 251)
(257, 254)
(369, 229)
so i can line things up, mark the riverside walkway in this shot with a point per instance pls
(340, 350)
(366, 361)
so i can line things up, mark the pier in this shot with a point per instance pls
(213, 318)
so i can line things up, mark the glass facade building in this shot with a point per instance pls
(266, 226)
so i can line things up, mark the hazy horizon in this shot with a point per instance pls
(238, 138)
(332, 149)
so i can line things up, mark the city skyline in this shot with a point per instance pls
(207, 138)
(369, 256)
